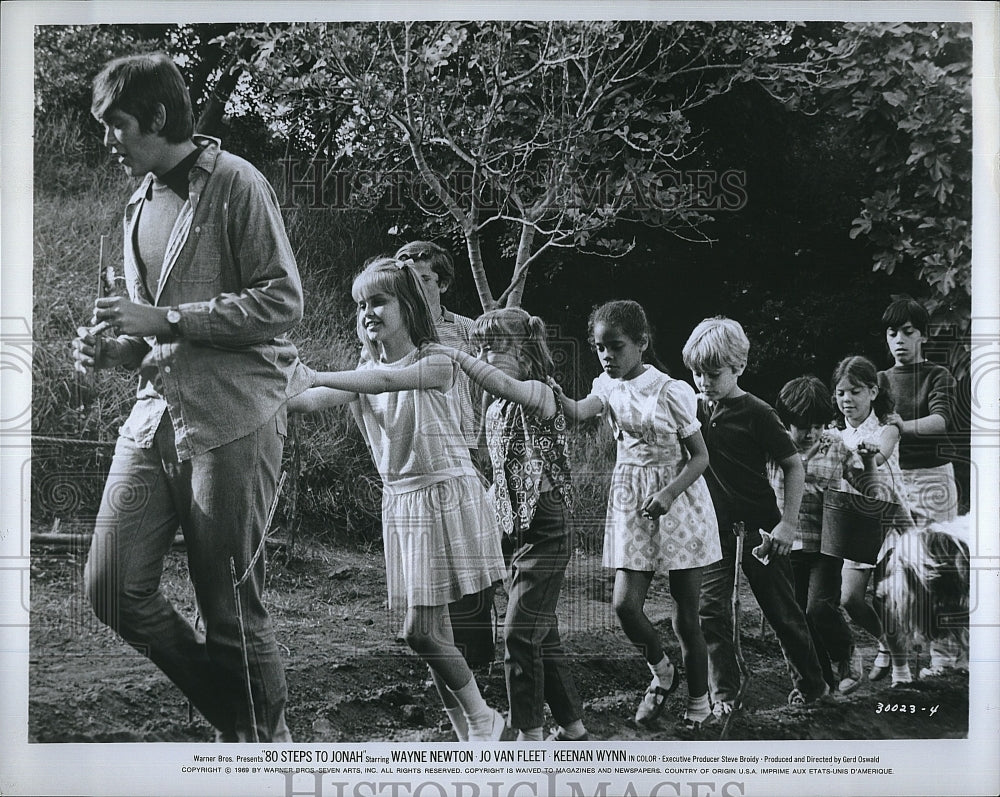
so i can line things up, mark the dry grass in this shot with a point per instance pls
(336, 496)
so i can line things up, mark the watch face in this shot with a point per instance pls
(173, 316)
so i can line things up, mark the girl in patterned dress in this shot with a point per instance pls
(532, 491)
(660, 516)
(438, 528)
(868, 433)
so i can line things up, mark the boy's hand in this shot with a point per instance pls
(657, 504)
(782, 538)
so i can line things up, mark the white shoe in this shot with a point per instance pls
(496, 731)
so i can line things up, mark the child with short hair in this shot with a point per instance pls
(660, 516)
(438, 528)
(924, 393)
(533, 492)
(742, 434)
(805, 407)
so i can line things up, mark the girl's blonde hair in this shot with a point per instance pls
(391, 276)
(715, 343)
(521, 329)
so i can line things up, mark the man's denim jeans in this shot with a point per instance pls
(772, 586)
(220, 500)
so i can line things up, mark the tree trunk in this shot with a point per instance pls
(520, 275)
(473, 245)
(210, 120)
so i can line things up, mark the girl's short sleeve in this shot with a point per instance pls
(436, 350)
(677, 408)
(601, 389)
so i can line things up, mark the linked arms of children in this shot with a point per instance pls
(336, 388)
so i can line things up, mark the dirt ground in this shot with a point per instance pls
(351, 680)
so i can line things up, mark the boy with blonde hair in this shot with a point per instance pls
(743, 433)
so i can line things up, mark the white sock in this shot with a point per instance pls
(458, 722)
(697, 707)
(477, 713)
(901, 673)
(662, 671)
(530, 735)
(452, 708)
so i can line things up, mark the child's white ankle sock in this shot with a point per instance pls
(697, 707)
(452, 708)
(574, 730)
(477, 713)
(663, 671)
(458, 722)
(901, 673)
(530, 735)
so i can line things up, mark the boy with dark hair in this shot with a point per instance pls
(924, 393)
(805, 408)
(743, 434)
(212, 289)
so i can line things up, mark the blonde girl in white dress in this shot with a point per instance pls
(660, 516)
(438, 528)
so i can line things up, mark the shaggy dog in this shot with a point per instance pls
(924, 589)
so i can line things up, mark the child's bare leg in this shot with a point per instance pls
(852, 597)
(427, 630)
(685, 588)
(629, 599)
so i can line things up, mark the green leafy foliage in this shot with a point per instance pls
(906, 88)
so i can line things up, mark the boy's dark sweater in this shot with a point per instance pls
(918, 390)
(742, 435)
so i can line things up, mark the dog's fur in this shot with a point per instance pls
(924, 589)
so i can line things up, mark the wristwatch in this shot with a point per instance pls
(174, 319)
